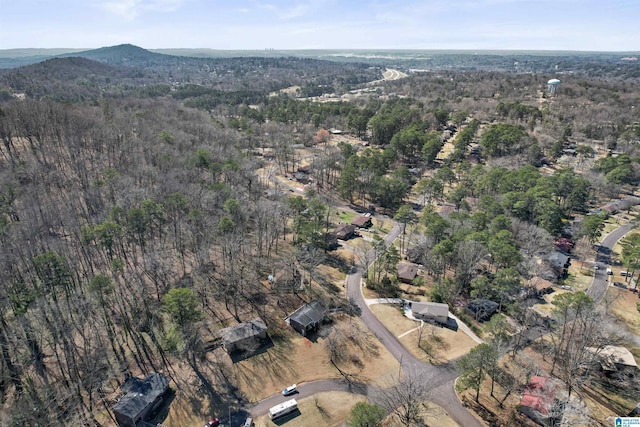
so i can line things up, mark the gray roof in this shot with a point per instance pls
(308, 314)
(407, 271)
(558, 259)
(434, 309)
(243, 331)
(140, 393)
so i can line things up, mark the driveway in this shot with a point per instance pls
(307, 390)
(600, 280)
(441, 378)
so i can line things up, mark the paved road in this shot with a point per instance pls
(441, 377)
(600, 280)
(307, 390)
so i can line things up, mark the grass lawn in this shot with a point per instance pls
(323, 409)
(441, 344)
(298, 360)
(346, 216)
(624, 308)
(292, 359)
(334, 408)
(580, 276)
(381, 225)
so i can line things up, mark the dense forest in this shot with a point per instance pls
(134, 215)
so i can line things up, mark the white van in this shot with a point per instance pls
(609, 272)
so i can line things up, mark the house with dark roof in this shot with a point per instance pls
(362, 221)
(482, 309)
(142, 398)
(430, 311)
(345, 231)
(246, 336)
(308, 317)
(407, 272)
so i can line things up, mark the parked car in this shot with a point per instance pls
(619, 285)
(609, 272)
(596, 267)
(290, 390)
(249, 422)
(624, 273)
(213, 422)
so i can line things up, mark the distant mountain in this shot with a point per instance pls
(124, 54)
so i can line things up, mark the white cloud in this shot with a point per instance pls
(131, 9)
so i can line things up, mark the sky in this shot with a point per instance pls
(586, 25)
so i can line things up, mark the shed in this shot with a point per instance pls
(308, 317)
(407, 272)
(430, 311)
(244, 336)
(142, 398)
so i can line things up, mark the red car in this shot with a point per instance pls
(214, 422)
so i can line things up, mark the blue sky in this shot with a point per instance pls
(595, 25)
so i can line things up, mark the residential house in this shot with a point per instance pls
(345, 231)
(559, 262)
(407, 272)
(539, 402)
(482, 309)
(142, 398)
(430, 311)
(538, 286)
(308, 317)
(616, 360)
(246, 336)
(362, 221)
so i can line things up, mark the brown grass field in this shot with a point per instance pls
(442, 344)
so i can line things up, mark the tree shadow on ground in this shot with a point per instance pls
(481, 410)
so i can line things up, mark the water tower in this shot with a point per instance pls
(552, 86)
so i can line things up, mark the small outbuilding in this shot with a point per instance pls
(430, 311)
(142, 398)
(246, 336)
(308, 318)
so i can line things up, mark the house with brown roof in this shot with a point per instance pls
(345, 231)
(362, 221)
(407, 272)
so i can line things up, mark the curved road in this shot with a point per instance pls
(307, 390)
(600, 280)
(441, 378)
